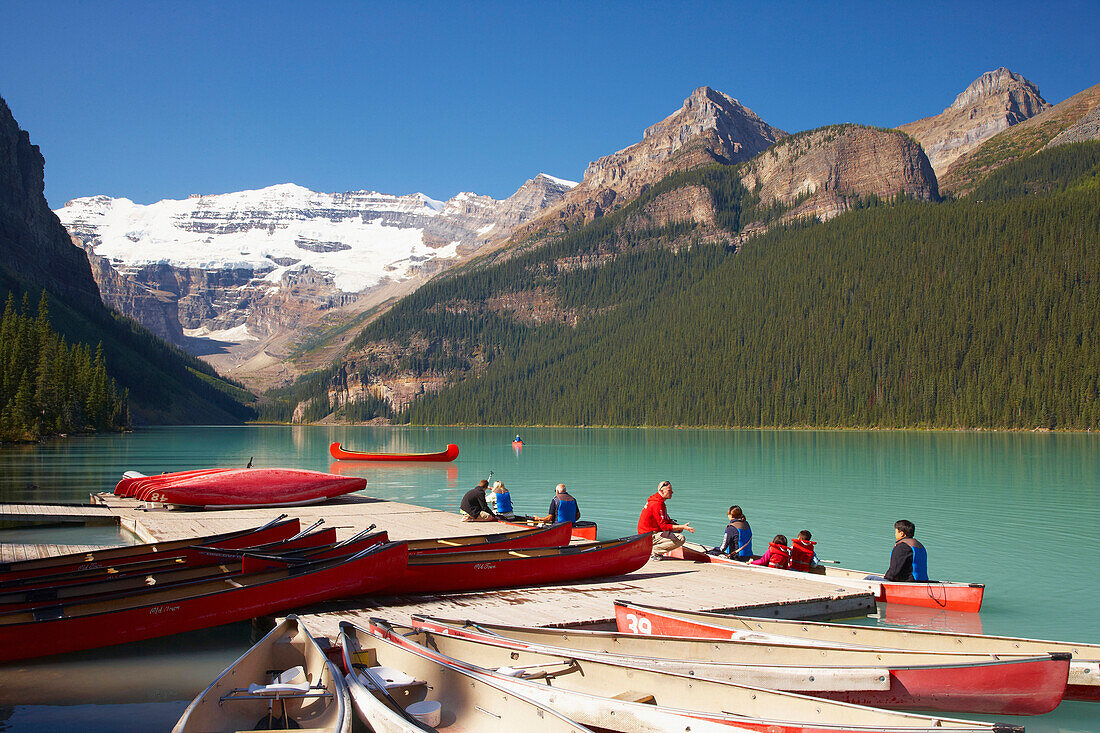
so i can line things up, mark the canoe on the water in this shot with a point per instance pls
(480, 570)
(609, 694)
(943, 594)
(14, 573)
(1014, 684)
(251, 487)
(190, 606)
(283, 682)
(581, 530)
(390, 683)
(1084, 668)
(339, 453)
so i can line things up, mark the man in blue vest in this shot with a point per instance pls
(563, 507)
(909, 560)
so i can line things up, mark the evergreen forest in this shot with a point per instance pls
(48, 386)
(975, 313)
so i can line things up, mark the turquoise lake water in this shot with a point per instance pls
(1019, 512)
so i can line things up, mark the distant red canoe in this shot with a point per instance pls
(340, 454)
(252, 487)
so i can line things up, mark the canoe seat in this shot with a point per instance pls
(635, 696)
(398, 684)
(291, 681)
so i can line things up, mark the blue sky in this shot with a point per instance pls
(159, 100)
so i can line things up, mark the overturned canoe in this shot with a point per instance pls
(1084, 669)
(285, 681)
(480, 570)
(339, 453)
(941, 594)
(390, 685)
(190, 606)
(620, 696)
(1012, 684)
(15, 573)
(251, 487)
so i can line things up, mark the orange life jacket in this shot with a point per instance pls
(779, 556)
(802, 554)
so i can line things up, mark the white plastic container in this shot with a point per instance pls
(429, 712)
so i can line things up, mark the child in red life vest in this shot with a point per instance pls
(778, 554)
(803, 556)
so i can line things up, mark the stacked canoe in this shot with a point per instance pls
(101, 598)
(229, 488)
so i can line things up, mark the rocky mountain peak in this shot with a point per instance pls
(710, 127)
(992, 83)
(993, 102)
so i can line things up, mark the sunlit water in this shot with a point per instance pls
(1019, 512)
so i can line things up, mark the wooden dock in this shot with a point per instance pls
(698, 586)
(79, 513)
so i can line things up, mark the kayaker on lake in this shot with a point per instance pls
(563, 507)
(737, 542)
(501, 501)
(654, 518)
(474, 507)
(909, 560)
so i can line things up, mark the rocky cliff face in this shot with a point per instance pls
(238, 272)
(710, 127)
(993, 102)
(820, 173)
(1085, 129)
(33, 244)
(1022, 140)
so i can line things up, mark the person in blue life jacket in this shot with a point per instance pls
(909, 560)
(501, 501)
(563, 507)
(737, 541)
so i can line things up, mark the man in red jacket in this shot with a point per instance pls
(655, 519)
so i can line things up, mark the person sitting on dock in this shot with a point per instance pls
(737, 542)
(474, 507)
(803, 556)
(501, 501)
(563, 507)
(909, 560)
(778, 554)
(655, 519)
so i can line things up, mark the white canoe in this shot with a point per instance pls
(620, 696)
(391, 686)
(284, 677)
(1011, 684)
(1084, 670)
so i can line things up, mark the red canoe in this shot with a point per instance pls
(15, 572)
(1016, 685)
(252, 487)
(339, 453)
(467, 571)
(946, 595)
(131, 485)
(1022, 687)
(580, 530)
(191, 606)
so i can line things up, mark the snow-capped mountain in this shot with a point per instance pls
(252, 265)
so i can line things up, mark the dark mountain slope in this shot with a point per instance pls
(36, 254)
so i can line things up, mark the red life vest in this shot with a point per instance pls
(779, 556)
(802, 554)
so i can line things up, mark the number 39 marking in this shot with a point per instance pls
(639, 625)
